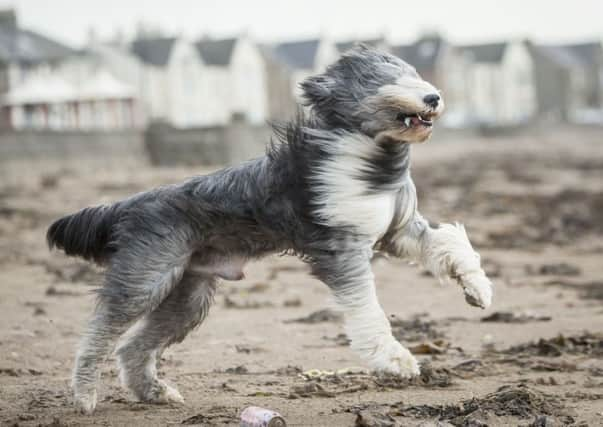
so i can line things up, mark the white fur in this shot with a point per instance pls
(412, 90)
(447, 253)
(369, 331)
(344, 199)
(170, 395)
(85, 402)
(161, 393)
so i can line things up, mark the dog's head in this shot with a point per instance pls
(376, 93)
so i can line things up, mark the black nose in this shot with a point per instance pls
(432, 100)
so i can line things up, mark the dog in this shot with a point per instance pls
(333, 188)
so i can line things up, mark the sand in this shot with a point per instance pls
(533, 206)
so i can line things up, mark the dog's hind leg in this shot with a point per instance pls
(351, 280)
(134, 286)
(183, 310)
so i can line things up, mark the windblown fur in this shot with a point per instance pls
(86, 233)
(333, 187)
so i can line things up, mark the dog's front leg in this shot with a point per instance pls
(444, 250)
(351, 280)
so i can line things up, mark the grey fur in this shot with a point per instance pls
(161, 247)
(180, 312)
(339, 97)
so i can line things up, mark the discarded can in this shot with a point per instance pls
(254, 416)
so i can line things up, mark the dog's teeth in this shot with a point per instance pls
(407, 122)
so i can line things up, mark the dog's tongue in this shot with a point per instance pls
(415, 120)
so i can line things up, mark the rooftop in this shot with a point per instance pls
(153, 51)
(216, 52)
(24, 46)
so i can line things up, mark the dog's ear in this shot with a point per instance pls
(316, 90)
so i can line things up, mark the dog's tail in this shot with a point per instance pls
(86, 233)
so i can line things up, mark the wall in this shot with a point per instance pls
(25, 151)
(21, 152)
(216, 145)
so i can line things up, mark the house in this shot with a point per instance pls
(115, 69)
(282, 104)
(48, 101)
(171, 80)
(37, 91)
(205, 83)
(24, 53)
(500, 88)
(113, 57)
(236, 81)
(591, 54)
(560, 78)
(303, 58)
(443, 65)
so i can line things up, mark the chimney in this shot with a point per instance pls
(8, 19)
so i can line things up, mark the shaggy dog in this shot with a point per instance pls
(334, 188)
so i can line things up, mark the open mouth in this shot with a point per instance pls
(415, 120)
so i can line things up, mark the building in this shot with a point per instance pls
(500, 85)
(38, 90)
(170, 80)
(304, 58)
(560, 79)
(282, 104)
(206, 83)
(113, 57)
(591, 54)
(24, 52)
(287, 65)
(48, 101)
(236, 80)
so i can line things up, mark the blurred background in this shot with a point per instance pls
(103, 99)
(103, 68)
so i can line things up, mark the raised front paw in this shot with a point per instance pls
(393, 358)
(477, 288)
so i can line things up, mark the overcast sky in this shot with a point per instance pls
(464, 21)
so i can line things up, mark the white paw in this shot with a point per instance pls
(477, 288)
(393, 358)
(171, 395)
(164, 394)
(85, 402)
